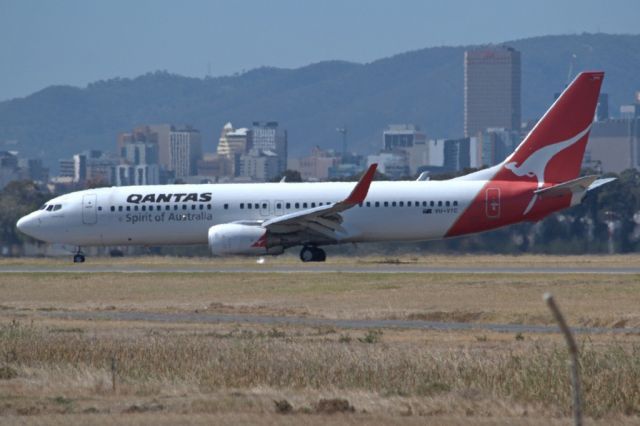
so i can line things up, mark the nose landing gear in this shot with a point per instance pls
(79, 256)
(312, 254)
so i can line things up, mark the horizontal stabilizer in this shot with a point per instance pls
(598, 183)
(573, 186)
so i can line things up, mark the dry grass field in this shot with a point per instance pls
(59, 371)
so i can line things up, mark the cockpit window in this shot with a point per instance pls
(57, 207)
(50, 207)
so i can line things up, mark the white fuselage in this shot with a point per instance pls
(392, 211)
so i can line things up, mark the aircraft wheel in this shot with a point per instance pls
(312, 254)
(307, 254)
(319, 255)
(78, 258)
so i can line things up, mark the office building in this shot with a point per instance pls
(185, 149)
(402, 136)
(258, 165)
(268, 137)
(495, 144)
(492, 80)
(317, 165)
(234, 141)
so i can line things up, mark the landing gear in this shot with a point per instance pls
(312, 254)
(78, 257)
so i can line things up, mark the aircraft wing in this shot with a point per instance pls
(324, 220)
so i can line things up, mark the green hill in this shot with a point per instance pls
(424, 87)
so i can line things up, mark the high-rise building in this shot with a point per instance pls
(258, 165)
(492, 80)
(185, 150)
(495, 144)
(268, 137)
(402, 136)
(234, 141)
(457, 154)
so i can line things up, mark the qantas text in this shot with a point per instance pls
(169, 198)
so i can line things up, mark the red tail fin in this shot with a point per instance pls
(553, 150)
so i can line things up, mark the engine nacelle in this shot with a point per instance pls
(230, 239)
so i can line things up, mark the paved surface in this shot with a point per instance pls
(209, 318)
(312, 268)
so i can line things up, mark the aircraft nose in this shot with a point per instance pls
(27, 225)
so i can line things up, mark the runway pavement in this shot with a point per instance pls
(310, 268)
(212, 318)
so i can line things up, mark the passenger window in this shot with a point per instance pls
(226, 206)
(249, 206)
(113, 209)
(119, 208)
(167, 208)
(241, 205)
(278, 206)
(447, 203)
(377, 203)
(432, 203)
(386, 204)
(455, 203)
(288, 205)
(313, 204)
(135, 208)
(175, 207)
(144, 208)
(256, 206)
(304, 205)
(368, 203)
(297, 205)
(393, 204)
(359, 204)
(184, 207)
(439, 203)
(408, 203)
(401, 203)
(264, 205)
(128, 208)
(193, 206)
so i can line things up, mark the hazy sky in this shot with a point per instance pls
(44, 42)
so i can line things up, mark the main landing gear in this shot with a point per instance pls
(79, 256)
(312, 254)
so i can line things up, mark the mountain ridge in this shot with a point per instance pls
(423, 86)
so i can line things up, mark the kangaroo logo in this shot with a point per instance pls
(536, 163)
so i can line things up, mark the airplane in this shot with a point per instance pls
(540, 177)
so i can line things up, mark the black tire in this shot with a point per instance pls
(307, 254)
(319, 255)
(78, 258)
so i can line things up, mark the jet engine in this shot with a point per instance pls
(234, 239)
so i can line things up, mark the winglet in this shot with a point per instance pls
(361, 189)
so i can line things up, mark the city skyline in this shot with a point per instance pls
(74, 43)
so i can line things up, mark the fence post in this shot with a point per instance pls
(573, 353)
(113, 374)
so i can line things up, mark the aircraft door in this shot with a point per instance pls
(492, 203)
(264, 208)
(89, 210)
